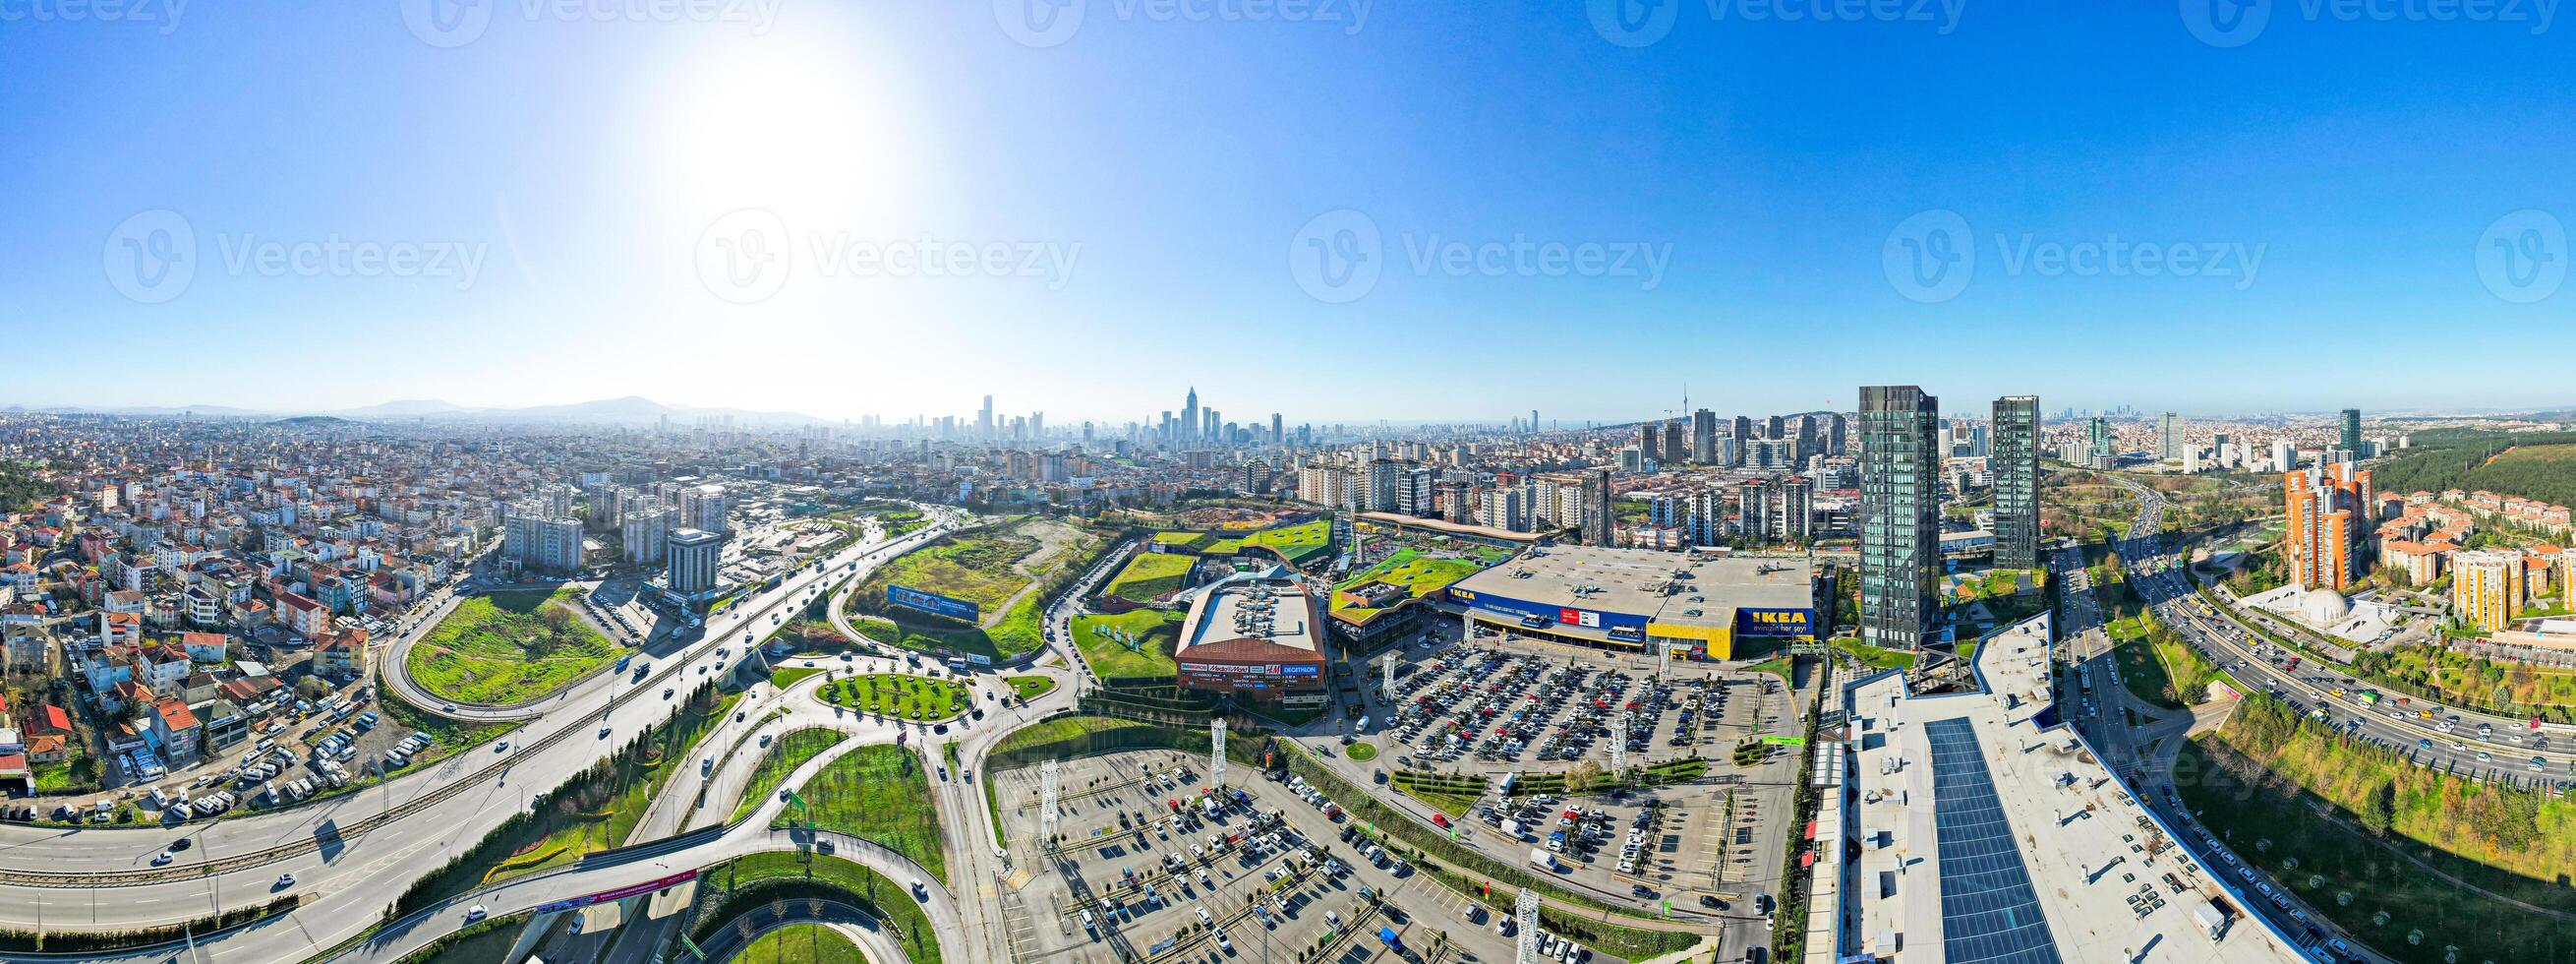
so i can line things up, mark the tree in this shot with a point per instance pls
(312, 687)
(2379, 807)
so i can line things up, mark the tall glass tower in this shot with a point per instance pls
(1900, 525)
(2015, 464)
(2352, 431)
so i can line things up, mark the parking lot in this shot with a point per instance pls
(1159, 866)
(1504, 707)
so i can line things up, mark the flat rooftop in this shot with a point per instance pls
(1262, 609)
(1985, 838)
(1664, 587)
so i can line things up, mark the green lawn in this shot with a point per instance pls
(1872, 656)
(801, 944)
(1030, 687)
(1155, 635)
(1420, 574)
(2144, 674)
(1360, 751)
(508, 648)
(899, 695)
(877, 792)
(734, 887)
(784, 755)
(1298, 542)
(787, 676)
(1150, 575)
(975, 567)
(1190, 542)
(1018, 632)
(77, 771)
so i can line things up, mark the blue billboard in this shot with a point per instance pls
(1299, 669)
(1619, 625)
(934, 603)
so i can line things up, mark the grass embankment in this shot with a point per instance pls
(596, 810)
(508, 647)
(784, 755)
(728, 890)
(878, 793)
(789, 676)
(801, 944)
(1449, 794)
(2376, 843)
(1030, 687)
(1134, 646)
(899, 695)
(1150, 575)
(1872, 656)
(1360, 751)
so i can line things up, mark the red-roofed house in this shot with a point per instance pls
(176, 730)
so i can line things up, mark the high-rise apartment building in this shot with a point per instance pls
(2169, 436)
(2486, 587)
(646, 529)
(2328, 510)
(546, 543)
(2351, 430)
(2104, 452)
(2015, 466)
(1776, 509)
(1705, 518)
(1900, 526)
(1676, 450)
(1650, 442)
(1704, 437)
(1599, 518)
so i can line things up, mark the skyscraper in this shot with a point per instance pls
(984, 422)
(1838, 436)
(1598, 514)
(1675, 450)
(1278, 430)
(2098, 433)
(2014, 463)
(2352, 430)
(694, 557)
(2329, 516)
(2169, 436)
(1704, 437)
(1190, 416)
(1650, 442)
(1900, 527)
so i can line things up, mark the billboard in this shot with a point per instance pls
(1561, 615)
(620, 893)
(1775, 622)
(1300, 669)
(934, 603)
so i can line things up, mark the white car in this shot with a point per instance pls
(476, 912)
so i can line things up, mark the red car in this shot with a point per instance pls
(1438, 820)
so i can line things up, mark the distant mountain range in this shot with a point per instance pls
(630, 410)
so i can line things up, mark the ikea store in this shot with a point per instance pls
(1639, 600)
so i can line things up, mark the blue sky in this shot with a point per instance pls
(531, 206)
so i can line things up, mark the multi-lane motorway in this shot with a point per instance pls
(340, 851)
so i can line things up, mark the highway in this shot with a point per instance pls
(100, 879)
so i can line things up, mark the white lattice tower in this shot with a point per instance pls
(1047, 800)
(1619, 743)
(1525, 916)
(1664, 660)
(1216, 753)
(1389, 683)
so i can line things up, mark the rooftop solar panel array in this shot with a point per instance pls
(1989, 913)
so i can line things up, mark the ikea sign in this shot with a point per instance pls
(1775, 622)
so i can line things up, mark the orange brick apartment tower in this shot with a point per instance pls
(2329, 509)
